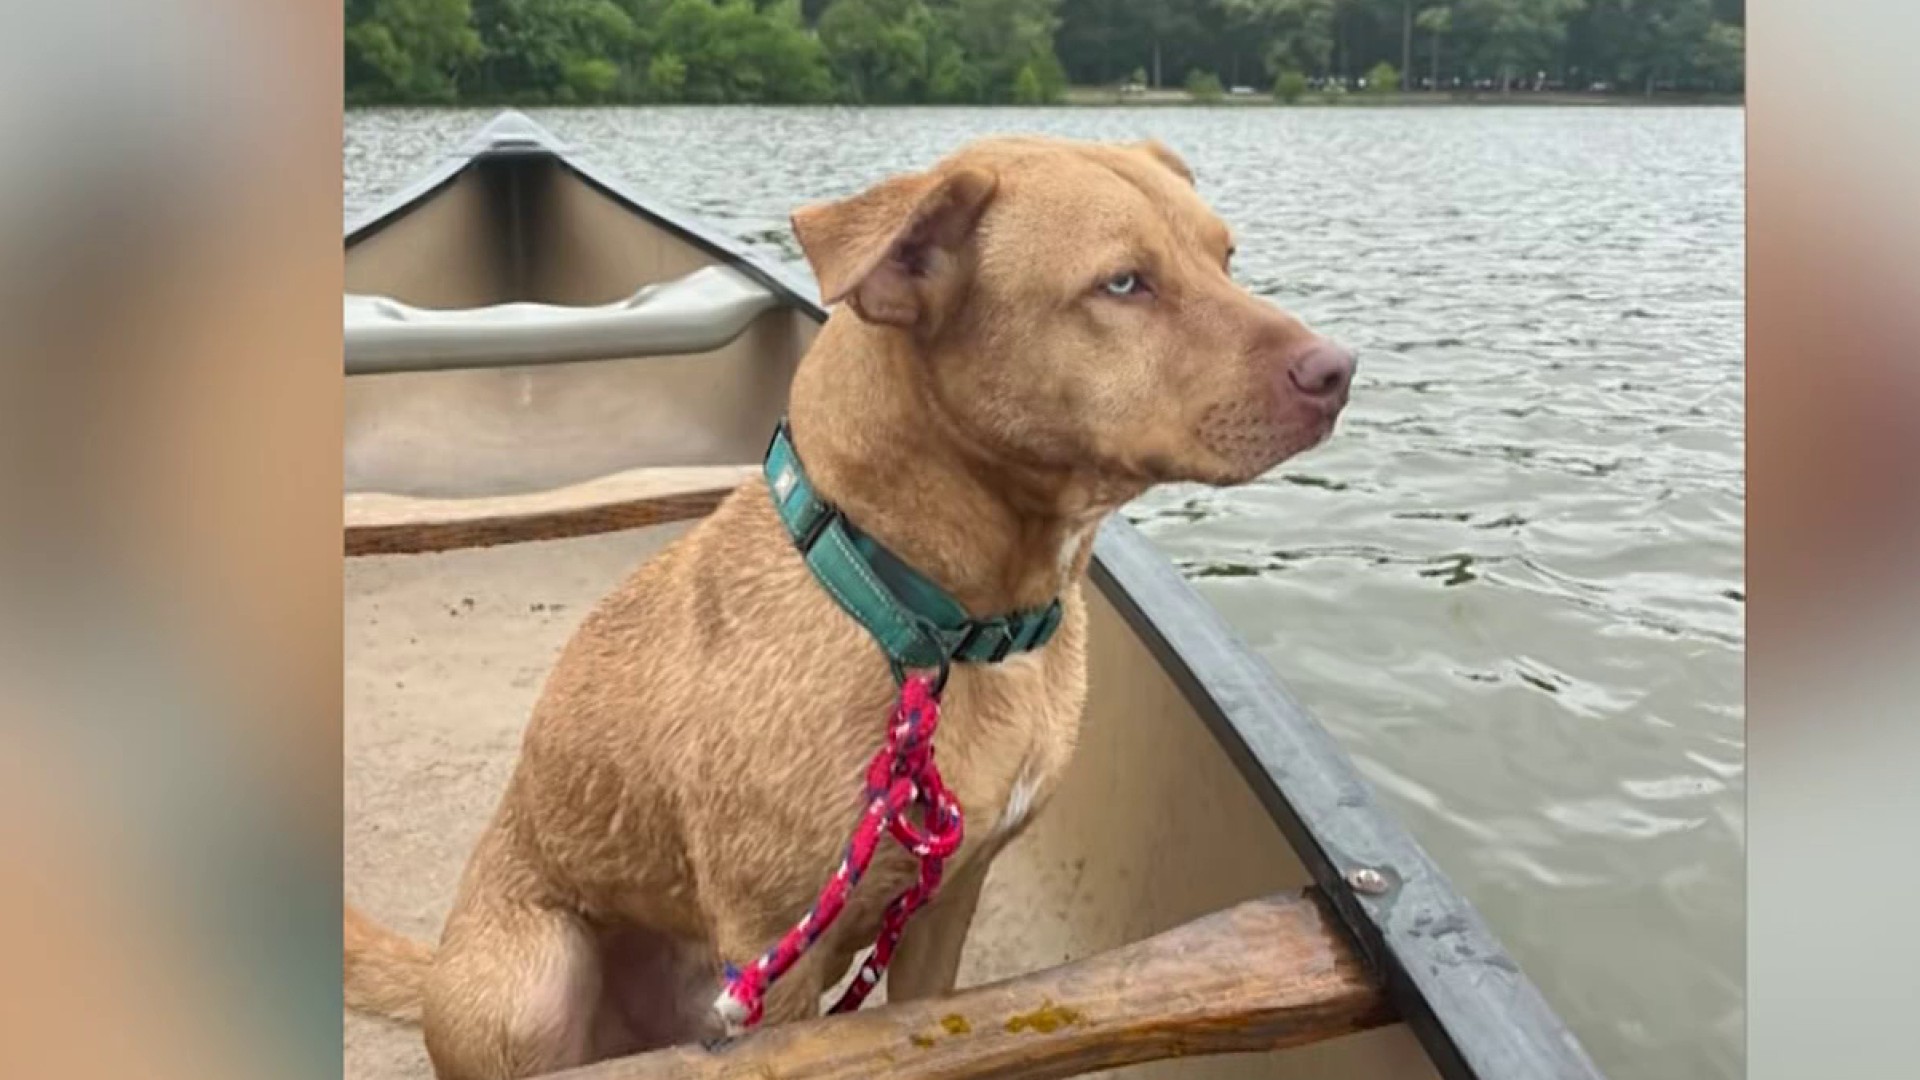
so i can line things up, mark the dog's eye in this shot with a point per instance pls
(1126, 284)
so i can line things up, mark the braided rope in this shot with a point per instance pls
(901, 776)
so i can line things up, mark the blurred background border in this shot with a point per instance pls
(170, 554)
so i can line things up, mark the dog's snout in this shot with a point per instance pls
(1322, 371)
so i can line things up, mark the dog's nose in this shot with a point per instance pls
(1323, 371)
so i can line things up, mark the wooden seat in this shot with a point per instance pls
(379, 524)
(1265, 975)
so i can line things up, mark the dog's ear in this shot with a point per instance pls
(885, 250)
(1163, 154)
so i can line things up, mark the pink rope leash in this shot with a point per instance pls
(901, 776)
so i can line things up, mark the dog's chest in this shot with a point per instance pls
(1017, 748)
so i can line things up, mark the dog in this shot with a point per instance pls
(1023, 338)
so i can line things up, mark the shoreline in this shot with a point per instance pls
(1330, 101)
(1099, 97)
(1422, 99)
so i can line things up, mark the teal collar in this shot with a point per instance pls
(916, 622)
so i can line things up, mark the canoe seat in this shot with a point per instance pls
(694, 314)
(382, 524)
(1268, 974)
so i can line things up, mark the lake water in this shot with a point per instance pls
(1512, 584)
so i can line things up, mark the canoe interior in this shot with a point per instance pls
(527, 228)
(446, 652)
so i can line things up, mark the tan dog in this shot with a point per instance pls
(1033, 333)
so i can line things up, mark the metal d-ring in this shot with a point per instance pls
(939, 681)
(930, 633)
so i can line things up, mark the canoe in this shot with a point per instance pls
(551, 374)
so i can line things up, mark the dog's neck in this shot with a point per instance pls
(875, 443)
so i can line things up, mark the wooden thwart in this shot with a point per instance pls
(1266, 975)
(403, 525)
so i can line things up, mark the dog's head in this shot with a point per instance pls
(1074, 308)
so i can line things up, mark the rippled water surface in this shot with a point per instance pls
(1512, 584)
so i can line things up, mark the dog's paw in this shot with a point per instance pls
(726, 1021)
(718, 1044)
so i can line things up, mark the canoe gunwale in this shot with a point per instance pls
(1474, 1012)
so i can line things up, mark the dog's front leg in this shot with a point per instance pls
(927, 962)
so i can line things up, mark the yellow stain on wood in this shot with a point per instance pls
(1046, 1019)
(956, 1024)
(924, 1042)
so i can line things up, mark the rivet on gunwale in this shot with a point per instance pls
(1367, 880)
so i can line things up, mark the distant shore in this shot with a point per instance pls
(1107, 97)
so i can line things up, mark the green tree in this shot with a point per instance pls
(377, 67)
(589, 79)
(1516, 36)
(1383, 78)
(950, 78)
(1052, 76)
(689, 31)
(1289, 85)
(790, 59)
(1298, 34)
(1643, 42)
(734, 53)
(1027, 89)
(1003, 50)
(410, 50)
(533, 48)
(999, 38)
(879, 50)
(1670, 33)
(1436, 21)
(666, 77)
(1204, 86)
(1721, 56)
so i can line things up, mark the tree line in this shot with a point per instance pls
(1023, 51)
